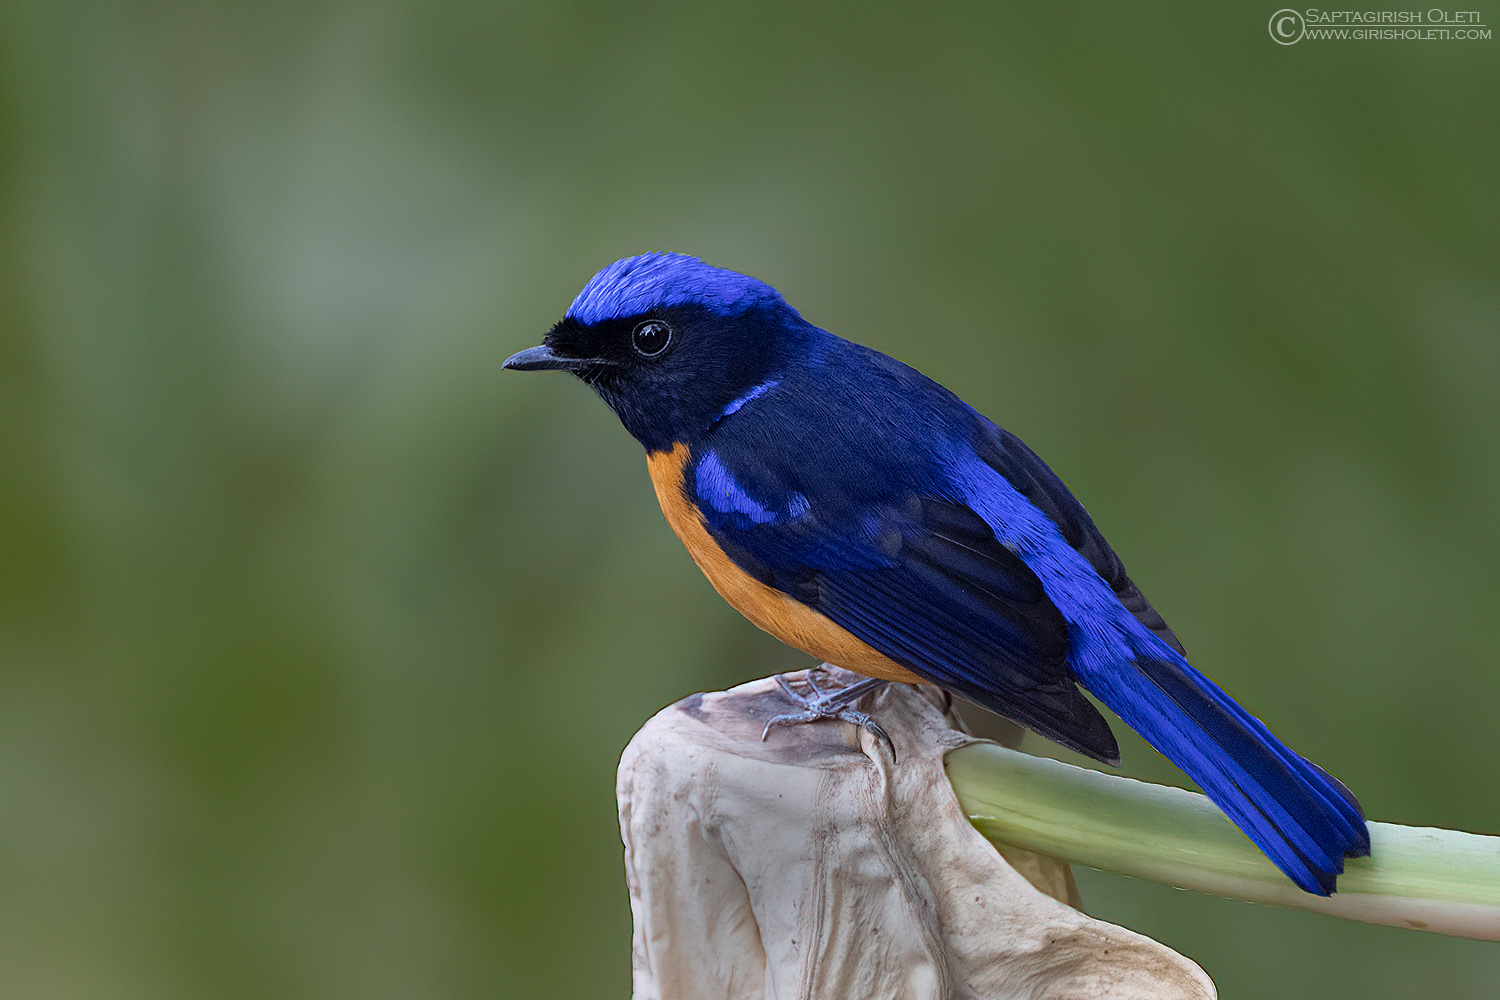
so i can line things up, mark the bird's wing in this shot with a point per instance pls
(1034, 480)
(924, 581)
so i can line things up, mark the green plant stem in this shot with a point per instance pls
(1429, 879)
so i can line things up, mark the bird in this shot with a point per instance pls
(859, 511)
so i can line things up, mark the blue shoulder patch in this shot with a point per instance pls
(657, 280)
(755, 393)
(716, 486)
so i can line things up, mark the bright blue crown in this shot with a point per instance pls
(656, 280)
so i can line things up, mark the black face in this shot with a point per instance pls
(670, 373)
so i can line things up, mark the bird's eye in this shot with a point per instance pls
(651, 338)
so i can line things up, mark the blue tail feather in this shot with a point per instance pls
(1305, 821)
(1341, 809)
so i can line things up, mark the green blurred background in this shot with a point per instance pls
(320, 636)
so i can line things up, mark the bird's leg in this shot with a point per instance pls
(830, 703)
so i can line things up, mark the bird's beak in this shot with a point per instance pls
(542, 359)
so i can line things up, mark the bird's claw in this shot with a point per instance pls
(829, 703)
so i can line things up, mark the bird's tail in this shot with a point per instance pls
(1303, 818)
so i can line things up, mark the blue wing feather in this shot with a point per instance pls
(1045, 490)
(944, 542)
(921, 579)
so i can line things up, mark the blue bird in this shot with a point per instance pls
(857, 510)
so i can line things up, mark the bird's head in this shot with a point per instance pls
(671, 343)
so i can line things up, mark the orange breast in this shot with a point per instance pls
(789, 620)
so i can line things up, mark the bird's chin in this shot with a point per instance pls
(597, 375)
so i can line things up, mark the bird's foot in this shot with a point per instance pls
(830, 703)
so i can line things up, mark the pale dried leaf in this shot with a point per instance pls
(811, 865)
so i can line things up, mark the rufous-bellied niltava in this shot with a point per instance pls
(857, 510)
